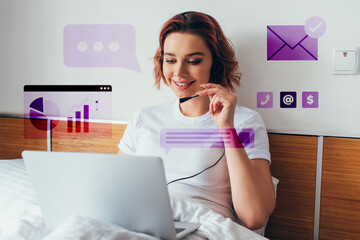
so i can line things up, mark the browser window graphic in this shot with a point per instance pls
(67, 111)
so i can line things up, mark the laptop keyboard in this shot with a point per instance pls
(179, 230)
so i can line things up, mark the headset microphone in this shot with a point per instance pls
(180, 179)
(187, 98)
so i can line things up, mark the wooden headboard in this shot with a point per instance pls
(294, 164)
(318, 196)
(96, 145)
(13, 142)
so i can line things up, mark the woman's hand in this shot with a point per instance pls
(222, 104)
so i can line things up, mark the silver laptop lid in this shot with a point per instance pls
(129, 191)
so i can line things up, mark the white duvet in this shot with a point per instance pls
(21, 217)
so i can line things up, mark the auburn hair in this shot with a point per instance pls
(224, 68)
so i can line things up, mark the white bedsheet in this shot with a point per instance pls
(21, 217)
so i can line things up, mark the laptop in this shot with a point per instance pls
(129, 191)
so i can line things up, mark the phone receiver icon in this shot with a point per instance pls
(267, 98)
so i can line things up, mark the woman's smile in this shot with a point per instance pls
(182, 85)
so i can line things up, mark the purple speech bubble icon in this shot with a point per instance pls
(205, 138)
(111, 45)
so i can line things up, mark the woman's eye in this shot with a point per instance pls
(195, 62)
(170, 60)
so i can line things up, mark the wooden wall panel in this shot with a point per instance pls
(340, 194)
(12, 140)
(90, 142)
(294, 164)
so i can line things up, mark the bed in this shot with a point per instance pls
(21, 216)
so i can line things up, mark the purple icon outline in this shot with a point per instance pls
(290, 42)
(287, 99)
(202, 138)
(265, 99)
(310, 99)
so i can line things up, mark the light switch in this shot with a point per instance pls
(345, 61)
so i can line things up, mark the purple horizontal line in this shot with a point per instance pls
(218, 138)
(196, 133)
(185, 142)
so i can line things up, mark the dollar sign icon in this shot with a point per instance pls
(310, 100)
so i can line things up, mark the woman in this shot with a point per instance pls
(195, 58)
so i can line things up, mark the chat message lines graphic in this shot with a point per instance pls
(100, 45)
(205, 138)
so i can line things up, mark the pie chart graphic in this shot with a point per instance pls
(42, 110)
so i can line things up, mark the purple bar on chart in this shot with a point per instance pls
(86, 118)
(70, 124)
(78, 122)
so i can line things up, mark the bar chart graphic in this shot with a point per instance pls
(79, 118)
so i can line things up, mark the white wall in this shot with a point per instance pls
(31, 49)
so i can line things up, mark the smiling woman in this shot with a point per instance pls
(195, 58)
(205, 28)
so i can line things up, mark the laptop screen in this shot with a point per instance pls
(68, 111)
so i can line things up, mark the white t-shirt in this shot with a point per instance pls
(212, 187)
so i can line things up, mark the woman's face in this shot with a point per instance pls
(187, 63)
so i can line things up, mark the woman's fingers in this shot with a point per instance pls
(222, 103)
(215, 104)
(210, 91)
(210, 85)
(212, 107)
(218, 95)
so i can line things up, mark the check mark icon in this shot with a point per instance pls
(317, 26)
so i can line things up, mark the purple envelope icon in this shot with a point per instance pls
(290, 42)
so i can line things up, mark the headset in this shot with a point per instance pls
(184, 178)
(188, 98)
